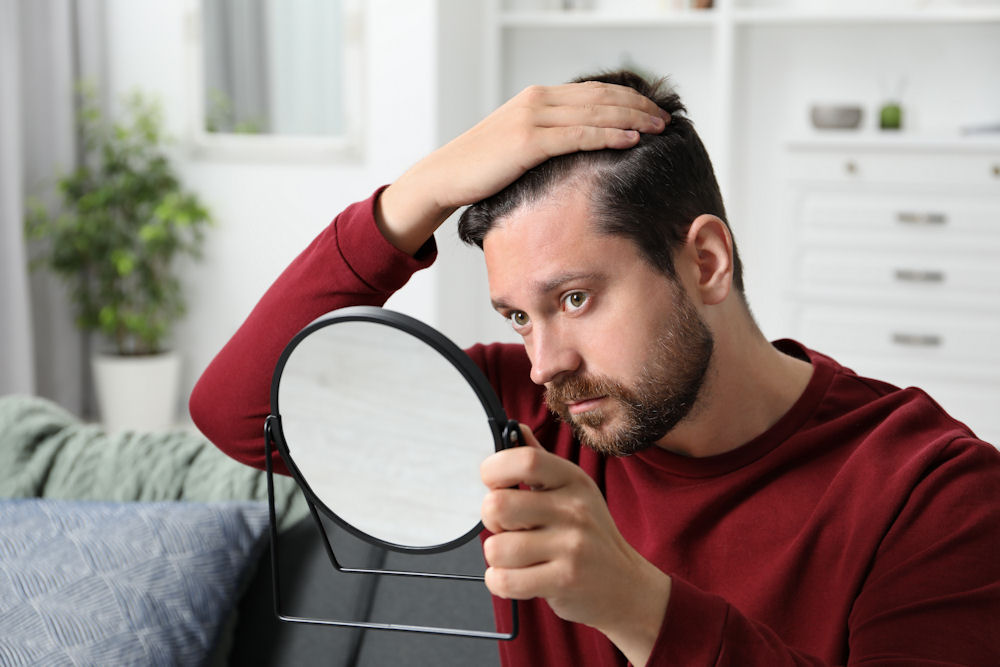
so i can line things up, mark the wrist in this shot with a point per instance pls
(407, 216)
(635, 632)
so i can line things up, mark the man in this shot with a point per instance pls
(704, 496)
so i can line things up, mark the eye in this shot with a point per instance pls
(518, 319)
(575, 300)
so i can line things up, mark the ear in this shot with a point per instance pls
(710, 246)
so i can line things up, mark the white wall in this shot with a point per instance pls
(267, 212)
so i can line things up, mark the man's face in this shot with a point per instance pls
(620, 348)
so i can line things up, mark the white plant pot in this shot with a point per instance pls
(137, 393)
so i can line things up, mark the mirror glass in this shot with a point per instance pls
(386, 432)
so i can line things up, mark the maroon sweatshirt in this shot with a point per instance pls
(863, 527)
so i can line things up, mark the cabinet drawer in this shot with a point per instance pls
(935, 168)
(908, 336)
(892, 276)
(918, 219)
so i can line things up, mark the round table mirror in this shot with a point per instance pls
(384, 423)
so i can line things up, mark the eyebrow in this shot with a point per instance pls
(554, 283)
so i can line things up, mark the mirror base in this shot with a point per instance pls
(368, 625)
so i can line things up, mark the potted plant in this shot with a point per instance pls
(123, 220)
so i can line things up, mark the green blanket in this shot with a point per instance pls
(47, 452)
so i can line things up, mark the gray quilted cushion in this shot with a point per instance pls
(102, 583)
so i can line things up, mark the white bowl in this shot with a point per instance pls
(835, 116)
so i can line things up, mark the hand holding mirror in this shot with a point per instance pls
(383, 422)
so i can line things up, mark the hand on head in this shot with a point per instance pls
(539, 123)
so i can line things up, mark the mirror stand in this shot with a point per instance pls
(510, 434)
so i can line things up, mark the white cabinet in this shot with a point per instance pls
(896, 265)
(748, 70)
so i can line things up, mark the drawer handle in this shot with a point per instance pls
(917, 340)
(922, 219)
(919, 276)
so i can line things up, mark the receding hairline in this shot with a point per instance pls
(582, 174)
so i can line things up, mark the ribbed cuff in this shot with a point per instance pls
(692, 629)
(379, 264)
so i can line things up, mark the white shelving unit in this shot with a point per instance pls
(724, 28)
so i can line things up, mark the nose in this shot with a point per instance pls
(551, 355)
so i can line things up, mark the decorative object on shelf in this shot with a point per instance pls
(678, 5)
(835, 116)
(124, 218)
(890, 115)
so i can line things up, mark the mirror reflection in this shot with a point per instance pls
(386, 432)
(274, 67)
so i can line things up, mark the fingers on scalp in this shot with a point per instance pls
(634, 100)
(608, 115)
(594, 138)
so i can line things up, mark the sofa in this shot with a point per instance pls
(154, 549)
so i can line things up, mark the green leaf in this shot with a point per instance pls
(107, 318)
(124, 217)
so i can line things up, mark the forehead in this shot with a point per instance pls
(540, 244)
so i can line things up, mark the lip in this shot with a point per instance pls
(584, 405)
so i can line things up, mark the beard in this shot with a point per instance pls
(664, 393)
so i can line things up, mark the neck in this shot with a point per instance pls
(749, 386)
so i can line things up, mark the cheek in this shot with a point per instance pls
(627, 339)
(614, 348)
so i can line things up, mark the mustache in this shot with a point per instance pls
(568, 390)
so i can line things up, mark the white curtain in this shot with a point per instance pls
(46, 46)
(16, 351)
(236, 45)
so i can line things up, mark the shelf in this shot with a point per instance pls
(862, 140)
(934, 15)
(606, 19)
(582, 18)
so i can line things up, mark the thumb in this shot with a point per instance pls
(528, 438)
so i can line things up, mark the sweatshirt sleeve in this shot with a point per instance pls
(703, 629)
(349, 263)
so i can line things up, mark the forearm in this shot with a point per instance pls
(638, 626)
(407, 213)
(348, 263)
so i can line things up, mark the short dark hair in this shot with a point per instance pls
(650, 193)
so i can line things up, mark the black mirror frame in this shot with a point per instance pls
(505, 434)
